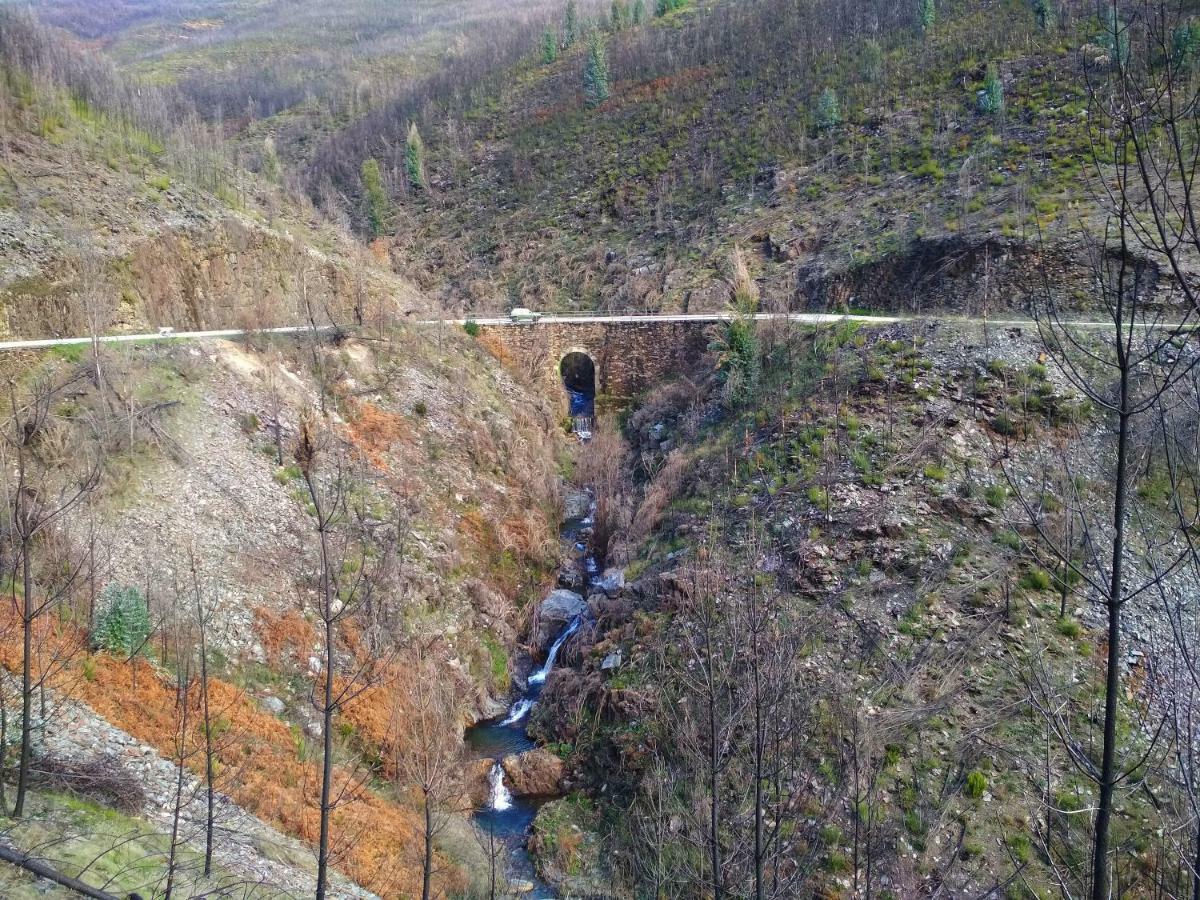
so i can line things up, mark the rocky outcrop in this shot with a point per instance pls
(951, 274)
(554, 613)
(534, 773)
(476, 785)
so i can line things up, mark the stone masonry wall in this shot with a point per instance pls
(629, 356)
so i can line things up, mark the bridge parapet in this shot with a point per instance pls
(630, 355)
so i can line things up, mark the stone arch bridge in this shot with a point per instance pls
(628, 353)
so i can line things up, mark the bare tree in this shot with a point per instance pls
(1123, 372)
(354, 554)
(203, 614)
(426, 746)
(42, 486)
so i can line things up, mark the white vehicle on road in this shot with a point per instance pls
(521, 314)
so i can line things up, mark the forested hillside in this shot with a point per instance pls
(406, 604)
(838, 139)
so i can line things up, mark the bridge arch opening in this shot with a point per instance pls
(578, 373)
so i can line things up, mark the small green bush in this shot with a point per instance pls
(471, 327)
(996, 496)
(1037, 580)
(935, 472)
(1009, 539)
(976, 785)
(420, 408)
(1004, 424)
(1069, 628)
(123, 623)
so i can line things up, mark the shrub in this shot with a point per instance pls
(1009, 539)
(996, 496)
(1004, 424)
(123, 623)
(420, 408)
(935, 472)
(1069, 628)
(471, 327)
(1037, 580)
(976, 784)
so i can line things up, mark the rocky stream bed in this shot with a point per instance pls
(522, 776)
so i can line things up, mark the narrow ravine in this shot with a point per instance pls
(507, 817)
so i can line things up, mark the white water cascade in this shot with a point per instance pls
(539, 677)
(500, 798)
(519, 710)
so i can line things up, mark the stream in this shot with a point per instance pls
(506, 817)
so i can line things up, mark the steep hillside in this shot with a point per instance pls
(839, 612)
(289, 73)
(846, 142)
(193, 506)
(113, 217)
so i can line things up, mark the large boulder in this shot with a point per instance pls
(476, 781)
(555, 612)
(612, 582)
(534, 773)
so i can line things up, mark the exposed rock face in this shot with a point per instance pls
(952, 274)
(559, 608)
(612, 582)
(534, 773)
(475, 782)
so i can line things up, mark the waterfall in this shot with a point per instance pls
(519, 710)
(500, 799)
(539, 677)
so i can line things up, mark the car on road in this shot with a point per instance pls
(521, 314)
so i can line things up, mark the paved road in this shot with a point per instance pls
(44, 343)
(801, 318)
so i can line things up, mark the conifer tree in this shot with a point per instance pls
(1116, 39)
(616, 18)
(829, 111)
(991, 98)
(414, 157)
(570, 25)
(927, 13)
(639, 11)
(871, 65)
(1185, 45)
(595, 72)
(1043, 14)
(376, 197)
(549, 46)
